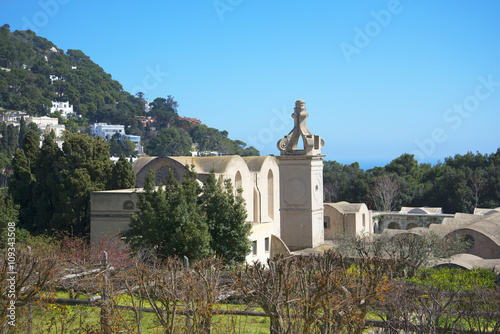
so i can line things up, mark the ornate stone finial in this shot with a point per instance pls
(312, 144)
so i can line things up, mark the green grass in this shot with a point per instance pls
(54, 318)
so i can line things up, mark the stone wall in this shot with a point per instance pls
(402, 221)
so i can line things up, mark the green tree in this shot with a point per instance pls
(23, 129)
(53, 187)
(122, 175)
(23, 180)
(9, 213)
(226, 218)
(171, 220)
(170, 141)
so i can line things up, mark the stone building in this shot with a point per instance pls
(283, 196)
(347, 218)
(408, 218)
(481, 231)
(301, 184)
(257, 176)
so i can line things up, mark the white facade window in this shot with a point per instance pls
(254, 247)
(266, 244)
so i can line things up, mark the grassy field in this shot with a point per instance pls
(54, 318)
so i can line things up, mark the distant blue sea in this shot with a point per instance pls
(369, 164)
(366, 164)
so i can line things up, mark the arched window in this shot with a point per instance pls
(270, 194)
(411, 225)
(394, 226)
(364, 221)
(238, 183)
(128, 205)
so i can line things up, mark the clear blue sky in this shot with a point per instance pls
(379, 78)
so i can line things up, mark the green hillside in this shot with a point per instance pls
(34, 73)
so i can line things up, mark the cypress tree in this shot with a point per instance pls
(226, 218)
(122, 175)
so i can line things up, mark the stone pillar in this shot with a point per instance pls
(301, 184)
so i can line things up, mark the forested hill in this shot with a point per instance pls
(33, 73)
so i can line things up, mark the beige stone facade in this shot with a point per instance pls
(301, 184)
(257, 176)
(347, 218)
(283, 196)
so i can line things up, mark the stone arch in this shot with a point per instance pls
(238, 182)
(394, 226)
(411, 225)
(270, 194)
(128, 205)
(418, 211)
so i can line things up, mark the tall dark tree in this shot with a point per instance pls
(226, 218)
(23, 179)
(23, 129)
(53, 187)
(171, 220)
(122, 176)
(48, 187)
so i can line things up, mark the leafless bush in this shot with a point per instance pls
(23, 278)
(316, 294)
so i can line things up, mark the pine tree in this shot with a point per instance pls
(23, 179)
(122, 176)
(48, 188)
(23, 129)
(226, 218)
(171, 220)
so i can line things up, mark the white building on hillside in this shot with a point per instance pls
(63, 107)
(106, 130)
(47, 124)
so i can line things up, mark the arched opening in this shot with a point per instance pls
(238, 183)
(468, 241)
(394, 226)
(270, 195)
(128, 205)
(326, 223)
(364, 221)
(300, 143)
(418, 211)
(411, 225)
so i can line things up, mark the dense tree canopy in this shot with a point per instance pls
(460, 184)
(171, 219)
(176, 220)
(52, 186)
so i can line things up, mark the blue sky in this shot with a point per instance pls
(379, 78)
